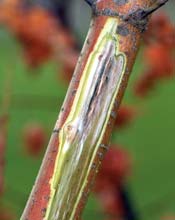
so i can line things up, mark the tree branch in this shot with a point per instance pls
(82, 132)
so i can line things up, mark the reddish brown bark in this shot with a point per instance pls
(129, 30)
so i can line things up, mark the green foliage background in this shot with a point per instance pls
(38, 95)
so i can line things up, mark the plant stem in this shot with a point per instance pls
(82, 132)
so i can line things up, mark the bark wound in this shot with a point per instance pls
(82, 133)
(61, 191)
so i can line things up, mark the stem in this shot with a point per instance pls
(81, 134)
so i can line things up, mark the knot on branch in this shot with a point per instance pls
(138, 18)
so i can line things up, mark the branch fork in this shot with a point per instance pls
(138, 17)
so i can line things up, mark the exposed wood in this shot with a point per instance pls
(83, 129)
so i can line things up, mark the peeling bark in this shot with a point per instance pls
(83, 129)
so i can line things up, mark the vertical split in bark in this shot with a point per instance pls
(82, 131)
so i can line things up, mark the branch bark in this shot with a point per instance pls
(83, 129)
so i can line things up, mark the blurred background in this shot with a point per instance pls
(39, 45)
